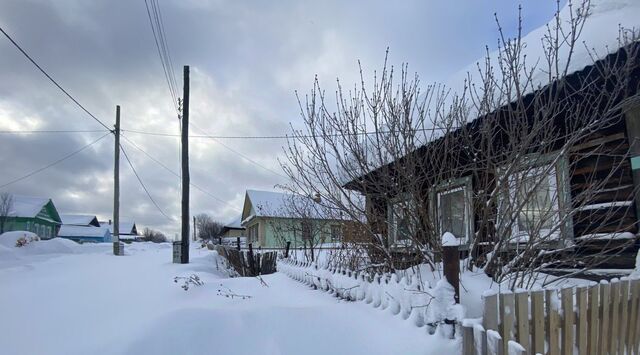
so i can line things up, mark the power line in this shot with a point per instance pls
(143, 185)
(176, 174)
(334, 135)
(49, 131)
(53, 163)
(240, 154)
(157, 28)
(52, 80)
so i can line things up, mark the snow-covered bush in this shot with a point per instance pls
(17, 238)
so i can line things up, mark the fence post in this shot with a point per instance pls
(507, 310)
(582, 321)
(238, 242)
(604, 316)
(624, 315)
(552, 322)
(468, 343)
(286, 250)
(490, 312)
(252, 265)
(615, 316)
(451, 265)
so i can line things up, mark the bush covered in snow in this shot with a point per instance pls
(18, 238)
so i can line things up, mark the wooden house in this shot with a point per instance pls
(270, 221)
(34, 214)
(127, 229)
(83, 228)
(607, 161)
(233, 229)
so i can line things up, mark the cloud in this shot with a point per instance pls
(247, 59)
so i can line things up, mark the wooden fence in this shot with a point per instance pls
(601, 318)
(246, 263)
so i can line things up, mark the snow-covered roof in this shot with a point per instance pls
(82, 231)
(235, 224)
(27, 206)
(259, 203)
(125, 227)
(599, 37)
(79, 219)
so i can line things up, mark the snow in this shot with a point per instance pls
(599, 37)
(450, 240)
(88, 301)
(9, 239)
(82, 231)
(26, 206)
(235, 224)
(604, 205)
(126, 227)
(636, 271)
(78, 219)
(607, 236)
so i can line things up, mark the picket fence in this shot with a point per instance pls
(400, 295)
(600, 318)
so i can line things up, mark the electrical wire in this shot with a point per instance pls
(176, 174)
(143, 185)
(53, 163)
(49, 131)
(52, 80)
(238, 153)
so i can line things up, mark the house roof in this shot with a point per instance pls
(83, 231)
(259, 203)
(125, 227)
(235, 224)
(30, 206)
(80, 219)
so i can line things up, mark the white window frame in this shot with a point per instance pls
(464, 185)
(391, 220)
(560, 195)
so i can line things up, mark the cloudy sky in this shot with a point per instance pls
(247, 59)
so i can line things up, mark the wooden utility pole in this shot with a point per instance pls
(194, 228)
(184, 257)
(116, 187)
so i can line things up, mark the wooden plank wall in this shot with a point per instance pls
(600, 318)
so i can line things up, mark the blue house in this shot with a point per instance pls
(83, 228)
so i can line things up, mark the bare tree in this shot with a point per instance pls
(150, 235)
(207, 227)
(6, 206)
(545, 164)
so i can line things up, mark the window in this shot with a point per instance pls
(306, 230)
(336, 233)
(253, 233)
(401, 224)
(453, 212)
(533, 205)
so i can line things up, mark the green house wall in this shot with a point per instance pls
(275, 232)
(45, 224)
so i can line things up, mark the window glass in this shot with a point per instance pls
(452, 212)
(336, 233)
(534, 195)
(400, 219)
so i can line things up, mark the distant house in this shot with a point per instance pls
(35, 214)
(83, 228)
(233, 229)
(127, 229)
(270, 222)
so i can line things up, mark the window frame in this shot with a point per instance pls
(407, 199)
(465, 184)
(560, 195)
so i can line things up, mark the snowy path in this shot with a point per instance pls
(94, 303)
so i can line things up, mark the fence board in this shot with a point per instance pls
(634, 332)
(490, 312)
(468, 346)
(605, 289)
(594, 314)
(624, 315)
(537, 315)
(553, 339)
(507, 316)
(522, 316)
(567, 321)
(614, 317)
(582, 320)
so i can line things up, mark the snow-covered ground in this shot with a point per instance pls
(62, 298)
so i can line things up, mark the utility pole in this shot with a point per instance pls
(184, 257)
(116, 188)
(194, 228)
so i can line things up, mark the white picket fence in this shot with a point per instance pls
(402, 296)
(601, 318)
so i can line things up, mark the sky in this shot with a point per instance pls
(247, 60)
